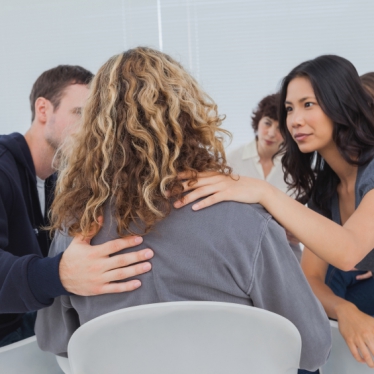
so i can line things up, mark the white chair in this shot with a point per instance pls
(25, 357)
(186, 337)
(341, 360)
(64, 365)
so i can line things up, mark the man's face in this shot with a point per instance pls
(62, 121)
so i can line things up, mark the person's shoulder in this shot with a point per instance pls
(366, 178)
(7, 161)
(243, 150)
(235, 156)
(368, 170)
(60, 242)
(8, 167)
(4, 153)
(235, 214)
(236, 151)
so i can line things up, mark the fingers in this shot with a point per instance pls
(117, 245)
(365, 354)
(189, 174)
(370, 346)
(204, 181)
(355, 353)
(127, 259)
(120, 287)
(197, 194)
(367, 275)
(126, 272)
(210, 200)
(361, 345)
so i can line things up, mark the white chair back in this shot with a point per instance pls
(341, 360)
(186, 337)
(64, 365)
(26, 357)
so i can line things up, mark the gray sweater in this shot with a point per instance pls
(229, 252)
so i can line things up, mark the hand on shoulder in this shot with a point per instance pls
(217, 187)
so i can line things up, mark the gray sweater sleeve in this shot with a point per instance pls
(55, 324)
(278, 285)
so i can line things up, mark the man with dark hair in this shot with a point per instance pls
(29, 280)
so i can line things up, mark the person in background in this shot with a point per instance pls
(257, 159)
(327, 122)
(147, 119)
(28, 279)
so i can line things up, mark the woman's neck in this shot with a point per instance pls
(346, 172)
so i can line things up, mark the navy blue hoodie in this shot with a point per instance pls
(28, 280)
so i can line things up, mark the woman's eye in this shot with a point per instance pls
(288, 109)
(268, 124)
(308, 104)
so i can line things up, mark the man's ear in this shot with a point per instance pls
(41, 109)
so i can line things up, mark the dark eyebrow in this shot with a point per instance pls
(306, 98)
(301, 100)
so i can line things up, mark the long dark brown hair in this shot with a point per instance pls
(340, 94)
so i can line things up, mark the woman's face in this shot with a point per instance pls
(269, 137)
(306, 121)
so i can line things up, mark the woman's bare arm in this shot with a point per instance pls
(342, 247)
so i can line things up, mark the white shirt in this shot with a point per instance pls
(41, 193)
(246, 161)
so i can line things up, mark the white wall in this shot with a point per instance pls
(239, 50)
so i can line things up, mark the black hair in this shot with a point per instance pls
(339, 93)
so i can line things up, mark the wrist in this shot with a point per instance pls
(62, 270)
(344, 309)
(267, 192)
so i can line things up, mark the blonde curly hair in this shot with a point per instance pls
(145, 121)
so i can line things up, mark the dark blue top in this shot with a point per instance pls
(28, 281)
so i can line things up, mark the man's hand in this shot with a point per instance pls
(88, 270)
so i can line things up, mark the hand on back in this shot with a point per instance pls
(88, 270)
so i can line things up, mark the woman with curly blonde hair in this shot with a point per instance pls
(147, 120)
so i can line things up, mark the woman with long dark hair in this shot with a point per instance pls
(327, 122)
